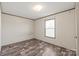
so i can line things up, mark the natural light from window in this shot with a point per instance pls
(50, 28)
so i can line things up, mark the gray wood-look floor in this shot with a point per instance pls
(35, 47)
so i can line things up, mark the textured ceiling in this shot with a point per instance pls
(25, 9)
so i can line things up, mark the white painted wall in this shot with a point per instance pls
(77, 17)
(15, 29)
(65, 30)
(0, 27)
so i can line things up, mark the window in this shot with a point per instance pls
(50, 28)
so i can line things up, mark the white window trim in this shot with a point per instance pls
(45, 28)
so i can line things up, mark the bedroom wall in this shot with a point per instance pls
(15, 29)
(65, 30)
(0, 27)
(77, 17)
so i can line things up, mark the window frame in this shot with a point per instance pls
(45, 28)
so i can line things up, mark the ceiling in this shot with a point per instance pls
(25, 9)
